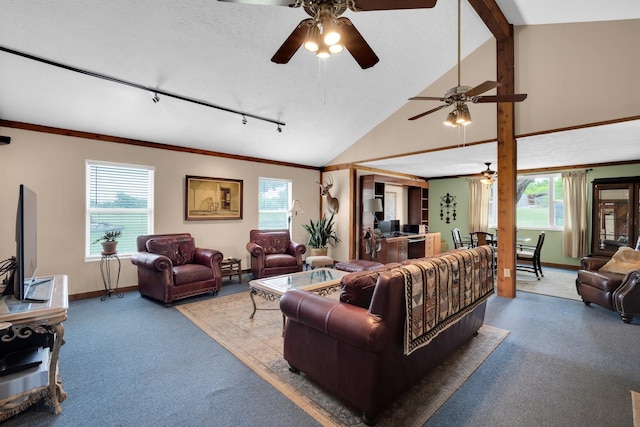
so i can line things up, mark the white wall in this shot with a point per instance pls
(54, 167)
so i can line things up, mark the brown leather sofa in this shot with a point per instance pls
(356, 348)
(273, 253)
(171, 267)
(615, 291)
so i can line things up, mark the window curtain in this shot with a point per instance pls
(478, 205)
(576, 205)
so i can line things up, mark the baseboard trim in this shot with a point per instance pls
(95, 294)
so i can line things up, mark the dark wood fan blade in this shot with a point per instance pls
(482, 88)
(427, 98)
(364, 5)
(357, 45)
(428, 112)
(292, 43)
(518, 97)
(262, 2)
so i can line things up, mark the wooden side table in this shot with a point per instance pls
(20, 320)
(231, 267)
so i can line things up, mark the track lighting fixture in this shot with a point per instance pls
(244, 120)
(279, 128)
(155, 91)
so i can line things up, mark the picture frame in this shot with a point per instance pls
(212, 198)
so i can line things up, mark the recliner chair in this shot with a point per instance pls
(171, 267)
(273, 253)
(615, 291)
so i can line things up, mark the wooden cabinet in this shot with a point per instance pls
(418, 205)
(401, 248)
(373, 186)
(616, 214)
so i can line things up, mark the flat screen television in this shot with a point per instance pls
(24, 275)
(390, 226)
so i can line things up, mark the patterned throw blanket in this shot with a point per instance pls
(439, 291)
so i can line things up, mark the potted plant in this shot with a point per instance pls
(321, 234)
(109, 241)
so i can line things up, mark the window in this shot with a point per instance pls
(119, 197)
(274, 196)
(539, 202)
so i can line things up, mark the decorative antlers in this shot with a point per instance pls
(332, 202)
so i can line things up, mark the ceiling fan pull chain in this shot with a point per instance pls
(322, 79)
(459, 50)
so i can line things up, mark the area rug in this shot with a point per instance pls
(635, 403)
(555, 283)
(258, 344)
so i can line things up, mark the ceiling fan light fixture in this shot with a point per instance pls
(463, 116)
(313, 36)
(451, 119)
(336, 48)
(330, 33)
(328, 24)
(323, 52)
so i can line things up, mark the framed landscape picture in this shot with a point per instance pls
(212, 198)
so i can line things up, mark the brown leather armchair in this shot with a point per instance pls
(171, 267)
(613, 291)
(273, 253)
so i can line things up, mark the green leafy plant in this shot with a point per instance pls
(321, 233)
(109, 236)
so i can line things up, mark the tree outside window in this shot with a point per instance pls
(539, 202)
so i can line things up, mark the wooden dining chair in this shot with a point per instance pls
(530, 254)
(481, 238)
(457, 239)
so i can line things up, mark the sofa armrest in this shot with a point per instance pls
(592, 263)
(296, 249)
(151, 261)
(626, 299)
(255, 250)
(343, 322)
(208, 257)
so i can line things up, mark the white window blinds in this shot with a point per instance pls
(119, 197)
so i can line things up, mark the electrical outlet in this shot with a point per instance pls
(507, 272)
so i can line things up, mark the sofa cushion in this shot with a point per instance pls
(357, 288)
(186, 250)
(603, 280)
(188, 274)
(624, 260)
(179, 250)
(273, 243)
(280, 260)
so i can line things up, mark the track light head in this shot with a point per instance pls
(279, 129)
(244, 119)
(155, 98)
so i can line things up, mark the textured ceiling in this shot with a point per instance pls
(219, 53)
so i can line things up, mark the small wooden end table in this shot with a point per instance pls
(230, 267)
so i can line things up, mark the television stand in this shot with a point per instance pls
(20, 320)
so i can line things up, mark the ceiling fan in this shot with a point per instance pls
(488, 175)
(327, 32)
(459, 96)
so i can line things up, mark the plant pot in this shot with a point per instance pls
(318, 251)
(109, 248)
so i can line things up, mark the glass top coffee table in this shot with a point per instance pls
(321, 280)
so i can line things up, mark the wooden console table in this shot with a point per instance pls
(19, 321)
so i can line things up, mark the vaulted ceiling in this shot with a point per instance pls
(219, 55)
